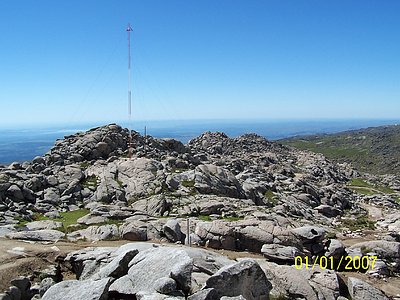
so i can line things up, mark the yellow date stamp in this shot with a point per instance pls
(344, 263)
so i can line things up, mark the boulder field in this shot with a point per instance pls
(246, 194)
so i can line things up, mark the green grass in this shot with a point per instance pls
(359, 182)
(271, 198)
(361, 222)
(21, 222)
(4, 178)
(178, 170)
(90, 181)
(331, 235)
(372, 150)
(204, 218)
(278, 297)
(363, 191)
(398, 200)
(385, 189)
(361, 186)
(188, 183)
(327, 148)
(66, 218)
(365, 250)
(71, 217)
(84, 165)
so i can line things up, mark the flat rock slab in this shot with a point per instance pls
(77, 289)
(37, 235)
(6, 229)
(276, 252)
(92, 220)
(95, 233)
(41, 225)
(384, 249)
(152, 264)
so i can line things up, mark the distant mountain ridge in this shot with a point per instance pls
(374, 150)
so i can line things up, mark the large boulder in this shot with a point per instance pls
(252, 238)
(360, 290)
(211, 179)
(216, 235)
(244, 278)
(134, 231)
(172, 230)
(15, 193)
(155, 205)
(291, 283)
(141, 177)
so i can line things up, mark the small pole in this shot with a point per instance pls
(145, 141)
(188, 232)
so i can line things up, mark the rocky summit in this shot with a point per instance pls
(217, 218)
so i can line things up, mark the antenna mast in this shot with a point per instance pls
(129, 29)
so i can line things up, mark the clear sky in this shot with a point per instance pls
(66, 61)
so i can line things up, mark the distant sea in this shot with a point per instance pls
(21, 144)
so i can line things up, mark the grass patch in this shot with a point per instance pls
(84, 165)
(73, 228)
(363, 191)
(120, 183)
(365, 250)
(331, 235)
(204, 218)
(21, 222)
(328, 148)
(188, 183)
(71, 217)
(361, 222)
(278, 297)
(359, 182)
(271, 198)
(385, 189)
(69, 220)
(66, 218)
(90, 182)
(361, 186)
(178, 170)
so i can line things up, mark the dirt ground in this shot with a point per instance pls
(23, 258)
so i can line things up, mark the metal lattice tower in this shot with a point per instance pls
(129, 30)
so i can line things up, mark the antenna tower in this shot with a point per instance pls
(129, 29)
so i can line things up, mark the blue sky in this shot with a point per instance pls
(66, 61)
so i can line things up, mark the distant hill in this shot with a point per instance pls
(375, 150)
